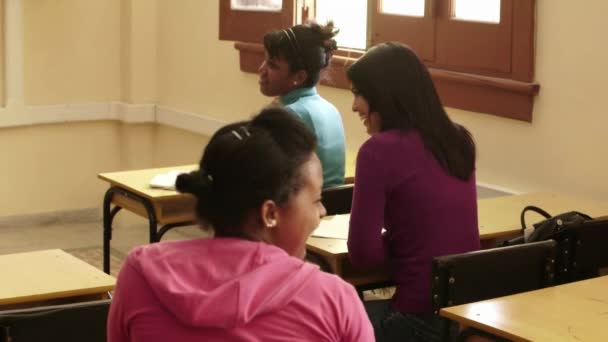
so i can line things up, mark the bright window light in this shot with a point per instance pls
(256, 5)
(412, 8)
(477, 10)
(350, 16)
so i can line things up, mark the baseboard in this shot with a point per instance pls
(86, 215)
(485, 190)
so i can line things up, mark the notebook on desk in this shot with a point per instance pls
(335, 227)
(166, 180)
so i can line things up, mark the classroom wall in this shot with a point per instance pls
(138, 51)
(559, 150)
(167, 52)
(71, 51)
(79, 52)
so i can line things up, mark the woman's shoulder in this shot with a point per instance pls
(391, 140)
(334, 286)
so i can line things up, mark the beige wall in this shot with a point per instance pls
(167, 52)
(138, 50)
(197, 72)
(47, 168)
(2, 52)
(71, 51)
(560, 150)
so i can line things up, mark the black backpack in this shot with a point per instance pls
(548, 228)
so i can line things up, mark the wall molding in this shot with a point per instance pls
(99, 111)
(188, 121)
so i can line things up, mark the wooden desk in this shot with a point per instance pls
(48, 275)
(498, 219)
(572, 312)
(130, 190)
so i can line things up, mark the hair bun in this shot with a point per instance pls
(192, 183)
(327, 33)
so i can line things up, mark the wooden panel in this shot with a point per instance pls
(176, 210)
(472, 46)
(506, 98)
(523, 40)
(250, 26)
(418, 33)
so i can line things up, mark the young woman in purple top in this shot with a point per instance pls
(415, 178)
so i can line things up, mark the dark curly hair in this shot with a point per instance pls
(307, 47)
(245, 164)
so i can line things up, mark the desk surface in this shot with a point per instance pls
(498, 217)
(49, 274)
(573, 312)
(137, 181)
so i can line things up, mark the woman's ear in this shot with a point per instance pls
(300, 77)
(269, 214)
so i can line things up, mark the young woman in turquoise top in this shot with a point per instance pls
(294, 59)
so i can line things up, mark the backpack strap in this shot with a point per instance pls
(534, 209)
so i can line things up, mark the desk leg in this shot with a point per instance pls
(108, 217)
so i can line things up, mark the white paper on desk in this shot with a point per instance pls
(166, 180)
(335, 227)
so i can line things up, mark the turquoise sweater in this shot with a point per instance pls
(325, 121)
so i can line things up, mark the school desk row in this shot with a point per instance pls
(572, 312)
(498, 217)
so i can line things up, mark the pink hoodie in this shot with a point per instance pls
(223, 289)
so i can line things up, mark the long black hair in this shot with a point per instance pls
(246, 163)
(307, 47)
(399, 88)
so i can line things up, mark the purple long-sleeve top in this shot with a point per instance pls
(400, 186)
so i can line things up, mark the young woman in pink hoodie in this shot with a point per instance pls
(259, 189)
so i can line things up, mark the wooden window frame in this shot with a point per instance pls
(506, 93)
(250, 26)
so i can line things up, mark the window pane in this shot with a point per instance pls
(477, 10)
(256, 5)
(350, 16)
(413, 8)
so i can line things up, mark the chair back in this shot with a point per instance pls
(582, 251)
(74, 322)
(474, 276)
(490, 273)
(338, 199)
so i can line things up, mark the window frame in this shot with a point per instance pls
(505, 93)
(250, 26)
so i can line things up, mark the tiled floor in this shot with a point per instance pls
(129, 231)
